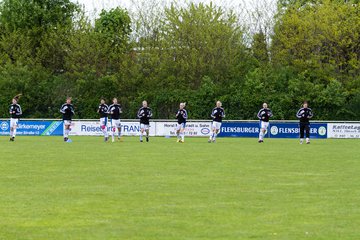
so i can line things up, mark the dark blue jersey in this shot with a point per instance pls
(304, 114)
(181, 116)
(115, 111)
(144, 114)
(103, 110)
(264, 114)
(15, 111)
(218, 114)
(67, 111)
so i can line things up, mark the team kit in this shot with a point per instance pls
(144, 114)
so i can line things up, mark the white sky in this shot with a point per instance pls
(255, 14)
(93, 7)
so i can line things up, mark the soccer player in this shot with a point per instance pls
(181, 117)
(264, 115)
(103, 111)
(15, 114)
(67, 110)
(304, 114)
(217, 115)
(144, 114)
(115, 111)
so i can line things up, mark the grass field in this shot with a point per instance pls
(234, 189)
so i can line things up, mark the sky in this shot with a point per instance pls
(93, 7)
(254, 14)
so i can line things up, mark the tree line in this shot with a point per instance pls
(194, 53)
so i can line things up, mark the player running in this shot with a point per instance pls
(304, 114)
(67, 110)
(15, 114)
(115, 111)
(217, 115)
(103, 111)
(144, 114)
(264, 115)
(181, 117)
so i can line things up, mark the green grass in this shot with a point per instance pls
(234, 189)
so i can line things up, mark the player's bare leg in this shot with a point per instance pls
(215, 135)
(182, 135)
(12, 133)
(178, 135)
(141, 135)
(66, 133)
(119, 133)
(113, 129)
(147, 135)
(261, 135)
(212, 135)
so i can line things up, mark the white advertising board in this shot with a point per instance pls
(92, 128)
(195, 129)
(343, 130)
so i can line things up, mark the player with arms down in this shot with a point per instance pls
(181, 117)
(15, 114)
(264, 115)
(304, 114)
(67, 110)
(103, 111)
(144, 114)
(115, 111)
(217, 115)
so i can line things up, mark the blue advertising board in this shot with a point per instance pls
(239, 129)
(34, 128)
(292, 130)
(275, 130)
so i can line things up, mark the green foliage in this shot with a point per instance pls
(36, 15)
(259, 48)
(115, 25)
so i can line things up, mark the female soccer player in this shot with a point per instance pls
(264, 115)
(115, 111)
(144, 114)
(67, 110)
(304, 114)
(15, 114)
(217, 115)
(181, 117)
(103, 111)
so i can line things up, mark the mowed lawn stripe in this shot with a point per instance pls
(233, 189)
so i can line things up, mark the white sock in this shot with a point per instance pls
(182, 136)
(307, 139)
(214, 137)
(141, 136)
(11, 133)
(119, 133)
(261, 135)
(14, 132)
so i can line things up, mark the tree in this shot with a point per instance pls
(259, 48)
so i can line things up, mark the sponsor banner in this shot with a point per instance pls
(93, 128)
(239, 129)
(195, 129)
(275, 130)
(34, 128)
(343, 130)
(292, 130)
